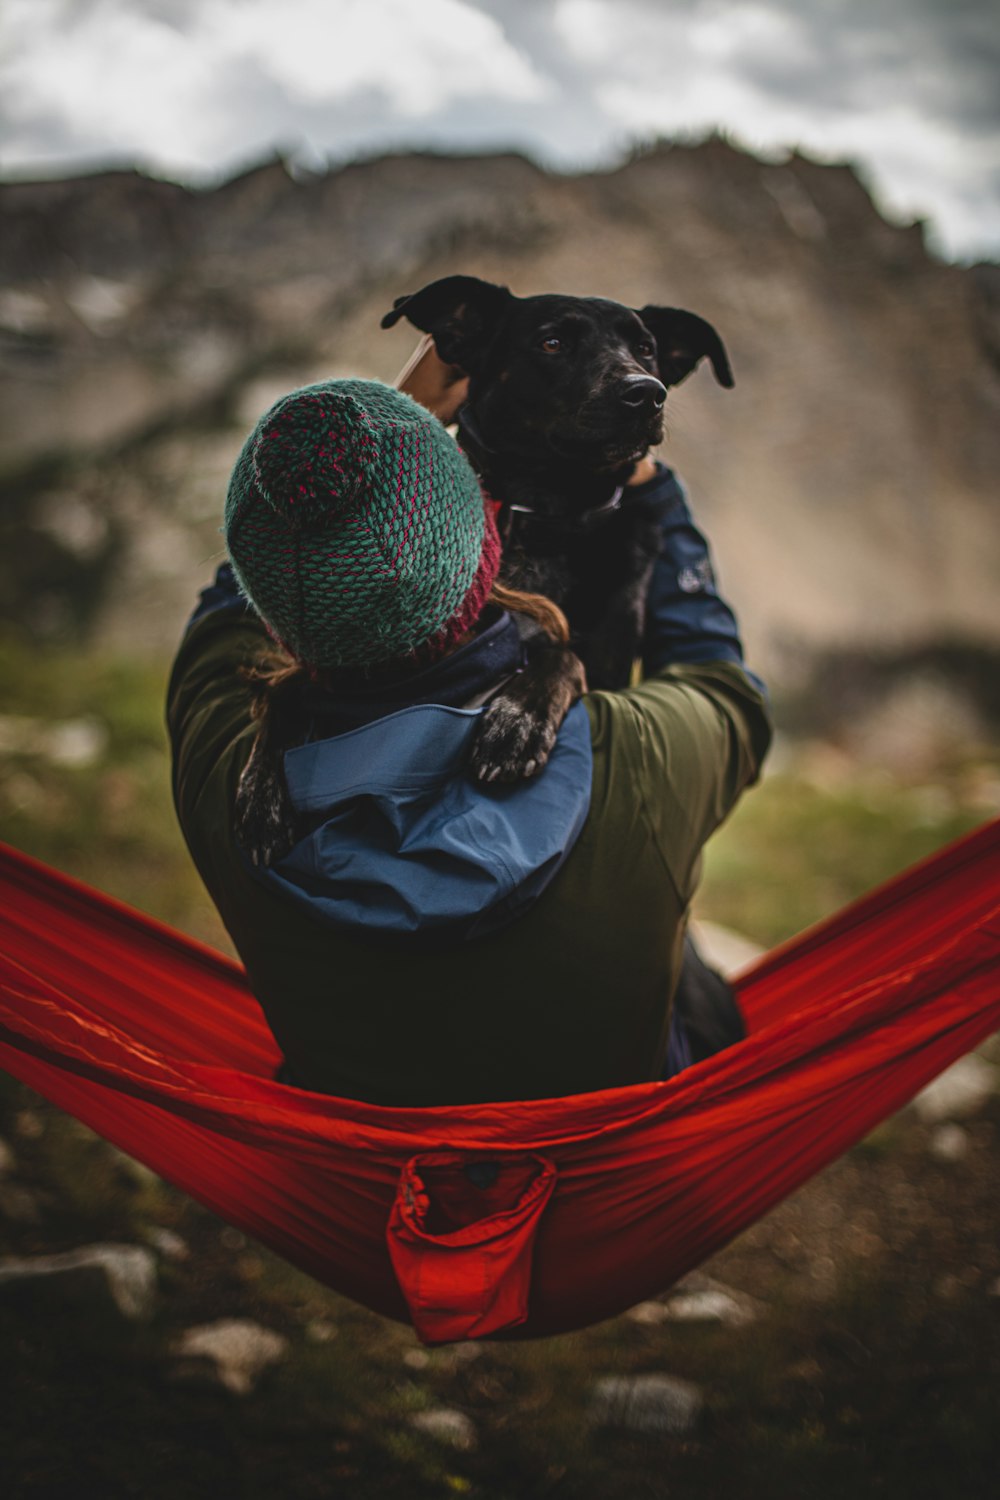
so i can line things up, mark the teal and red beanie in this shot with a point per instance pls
(357, 528)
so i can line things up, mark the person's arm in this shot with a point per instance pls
(209, 701)
(699, 722)
(442, 388)
(703, 731)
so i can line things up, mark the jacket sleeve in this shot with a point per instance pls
(687, 620)
(208, 699)
(702, 731)
(698, 727)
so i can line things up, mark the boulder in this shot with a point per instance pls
(447, 1426)
(123, 1277)
(235, 1352)
(949, 1142)
(167, 1243)
(655, 1404)
(698, 1299)
(959, 1091)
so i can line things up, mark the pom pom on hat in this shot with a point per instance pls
(309, 453)
(357, 527)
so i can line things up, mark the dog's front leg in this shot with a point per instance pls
(520, 723)
(614, 642)
(614, 645)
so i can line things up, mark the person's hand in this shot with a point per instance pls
(442, 388)
(644, 470)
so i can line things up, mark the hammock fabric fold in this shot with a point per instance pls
(513, 1219)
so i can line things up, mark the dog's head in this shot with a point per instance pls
(556, 380)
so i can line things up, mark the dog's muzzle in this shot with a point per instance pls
(643, 393)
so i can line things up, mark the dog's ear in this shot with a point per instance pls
(682, 339)
(461, 313)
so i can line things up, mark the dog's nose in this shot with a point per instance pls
(643, 392)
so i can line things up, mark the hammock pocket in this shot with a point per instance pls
(514, 1219)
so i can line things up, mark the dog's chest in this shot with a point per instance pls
(584, 572)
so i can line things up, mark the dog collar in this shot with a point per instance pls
(585, 521)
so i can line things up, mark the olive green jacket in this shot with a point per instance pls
(572, 995)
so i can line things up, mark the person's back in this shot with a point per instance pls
(431, 940)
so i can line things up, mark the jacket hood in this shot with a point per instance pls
(407, 847)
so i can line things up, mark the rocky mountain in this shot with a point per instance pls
(848, 481)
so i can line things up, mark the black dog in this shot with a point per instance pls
(565, 395)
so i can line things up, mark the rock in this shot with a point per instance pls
(123, 1276)
(168, 1244)
(949, 1142)
(712, 1305)
(916, 724)
(959, 1091)
(7, 1159)
(948, 1287)
(649, 1313)
(465, 1352)
(237, 1350)
(698, 1299)
(29, 1125)
(321, 1331)
(447, 1426)
(18, 1204)
(723, 949)
(656, 1404)
(100, 302)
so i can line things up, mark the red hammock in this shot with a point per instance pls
(527, 1218)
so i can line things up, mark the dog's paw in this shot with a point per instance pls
(513, 742)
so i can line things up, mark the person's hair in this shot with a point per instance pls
(544, 613)
(276, 669)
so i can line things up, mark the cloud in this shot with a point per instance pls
(907, 90)
(136, 78)
(121, 82)
(421, 57)
(197, 88)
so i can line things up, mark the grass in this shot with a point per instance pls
(108, 820)
(794, 852)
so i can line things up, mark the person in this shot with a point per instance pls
(431, 939)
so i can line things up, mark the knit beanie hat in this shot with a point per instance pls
(357, 528)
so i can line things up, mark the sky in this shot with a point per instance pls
(908, 90)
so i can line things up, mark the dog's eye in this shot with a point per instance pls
(550, 344)
(645, 350)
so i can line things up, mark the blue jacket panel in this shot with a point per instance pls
(408, 845)
(687, 620)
